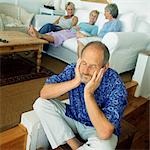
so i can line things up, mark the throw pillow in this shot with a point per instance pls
(142, 26)
(128, 21)
(10, 21)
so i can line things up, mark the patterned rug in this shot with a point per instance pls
(14, 69)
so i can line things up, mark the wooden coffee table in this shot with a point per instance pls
(19, 42)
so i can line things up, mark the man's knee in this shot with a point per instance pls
(43, 104)
(37, 103)
(40, 103)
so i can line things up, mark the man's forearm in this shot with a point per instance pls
(57, 89)
(103, 127)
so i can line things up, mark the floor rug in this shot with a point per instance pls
(14, 69)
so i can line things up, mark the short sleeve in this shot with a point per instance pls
(66, 75)
(116, 103)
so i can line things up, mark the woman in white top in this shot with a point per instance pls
(64, 22)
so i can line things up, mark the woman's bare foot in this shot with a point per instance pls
(33, 32)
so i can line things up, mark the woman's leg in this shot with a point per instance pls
(49, 27)
(34, 33)
(46, 28)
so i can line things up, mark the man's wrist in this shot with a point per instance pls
(76, 82)
(88, 93)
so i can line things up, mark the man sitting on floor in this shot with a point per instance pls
(97, 99)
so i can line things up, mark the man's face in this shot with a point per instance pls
(91, 61)
(93, 17)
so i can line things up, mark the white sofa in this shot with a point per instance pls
(124, 46)
(13, 17)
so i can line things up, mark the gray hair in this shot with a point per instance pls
(102, 47)
(113, 9)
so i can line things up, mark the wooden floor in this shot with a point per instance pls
(138, 106)
(138, 115)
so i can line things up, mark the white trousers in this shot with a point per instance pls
(59, 128)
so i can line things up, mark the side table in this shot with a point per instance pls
(21, 42)
(142, 74)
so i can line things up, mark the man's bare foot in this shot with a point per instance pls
(33, 32)
(74, 143)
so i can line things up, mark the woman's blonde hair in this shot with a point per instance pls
(70, 3)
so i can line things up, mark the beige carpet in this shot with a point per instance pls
(16, 99)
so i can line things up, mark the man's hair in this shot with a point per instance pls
(113, 9)
(95, 11)
(100, 46)
(70, 3)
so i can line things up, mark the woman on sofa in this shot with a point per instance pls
(113, 25)
(84, 29)
(64, 22)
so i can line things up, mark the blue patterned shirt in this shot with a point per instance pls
(111, 97)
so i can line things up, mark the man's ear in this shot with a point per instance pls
(79, 48)
(106, 66)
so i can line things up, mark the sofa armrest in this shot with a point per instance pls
(36, 137)
(25, 16)
(123, 40)
(40, 20)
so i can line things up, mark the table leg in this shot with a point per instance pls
(39, 55)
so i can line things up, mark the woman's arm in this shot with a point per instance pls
(57, 21)
(74, 21)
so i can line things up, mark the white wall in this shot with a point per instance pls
(142, 7)
(30, 5)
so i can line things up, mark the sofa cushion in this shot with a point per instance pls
(83, 15)
(1, 24)
(10, 21)
(25, 17)
(142, 26)
(15, 17)
(72, 43)
(128, 21)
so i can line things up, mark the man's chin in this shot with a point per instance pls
(85, 80)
